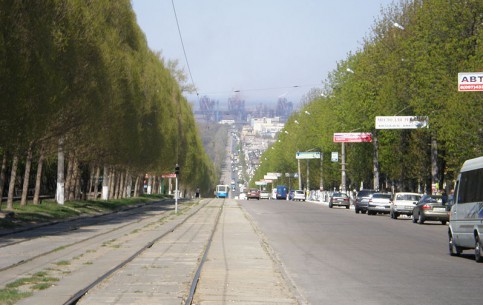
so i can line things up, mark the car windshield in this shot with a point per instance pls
(386, 196)
(340, 195)
(365, 193)
(408, 197)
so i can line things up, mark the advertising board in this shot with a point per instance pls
(307, 155)
(352, 137)
(402, 122)
(470, 81)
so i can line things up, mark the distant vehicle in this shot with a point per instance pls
(253, 194)
(466, 221)
(298, 195)
(222, 191)
(379, 203)
(281, 192)
(264, 194)
(339, 199)
(403, 204)
(273, 194)
(430, 207)
(362, 198)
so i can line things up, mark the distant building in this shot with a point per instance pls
(266, 126)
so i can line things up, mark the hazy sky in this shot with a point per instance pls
(263, 48)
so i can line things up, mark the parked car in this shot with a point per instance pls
(403, 204)
(362, 198)
(264, 194)
(299, 195)
(379, 203)
(282, 192)
(430, 207)
(253, 194)
(339, 199)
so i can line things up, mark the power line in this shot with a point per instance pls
(184, 51)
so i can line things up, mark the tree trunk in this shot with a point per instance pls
(2, 177)
(136, 187)
(96, 182)
(121, 185)
(25, 189)
(112, 184)
(74, 192)
(59, 194)
(68, 179)
(38, 177)
(90, 182)
(11, 187)
(105, 184)
(128, 185)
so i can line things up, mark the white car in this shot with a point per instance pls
(298, 195)
(403, 204)
(264, 195)
(379, 203)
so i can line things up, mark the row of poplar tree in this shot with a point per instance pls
(407, 66)
(78, 81)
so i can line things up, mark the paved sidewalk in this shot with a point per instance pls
(239, 268)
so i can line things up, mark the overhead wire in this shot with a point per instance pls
(184, 50)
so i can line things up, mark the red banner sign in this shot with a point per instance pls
(171, 175)
(352, 137)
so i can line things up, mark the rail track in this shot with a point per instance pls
(104, 247)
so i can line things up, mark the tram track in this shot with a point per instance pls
(77, 296)
(19, 252)
(99, 259)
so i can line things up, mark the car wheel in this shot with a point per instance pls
(454, 250)
(421, 219)
(364, 212)
(415, 219)
(478, 249)
(330, 205)
(443, 222)
(347, 207)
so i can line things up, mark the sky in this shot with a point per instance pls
(258, 50)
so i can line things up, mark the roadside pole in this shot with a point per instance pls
(176, 172)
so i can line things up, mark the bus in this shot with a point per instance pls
(222, 191)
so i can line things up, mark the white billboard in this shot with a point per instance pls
(307, 155)
(402, 122)
(470, 81)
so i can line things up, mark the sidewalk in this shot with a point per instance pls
(239, 268)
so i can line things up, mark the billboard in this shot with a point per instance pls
(470, 81)
(170, 175)
(307, 155)
(402, 122)
(352, 137)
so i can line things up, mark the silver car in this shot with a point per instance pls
(379, 203)
(403, 204)
(430, 207)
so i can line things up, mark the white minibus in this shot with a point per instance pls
(466, 218)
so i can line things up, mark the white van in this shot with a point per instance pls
(466, 218)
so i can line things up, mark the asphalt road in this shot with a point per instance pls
(335, 256)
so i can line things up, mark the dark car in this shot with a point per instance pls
(339, 199)
(362, 198)
(253, 194)
(430, 207)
